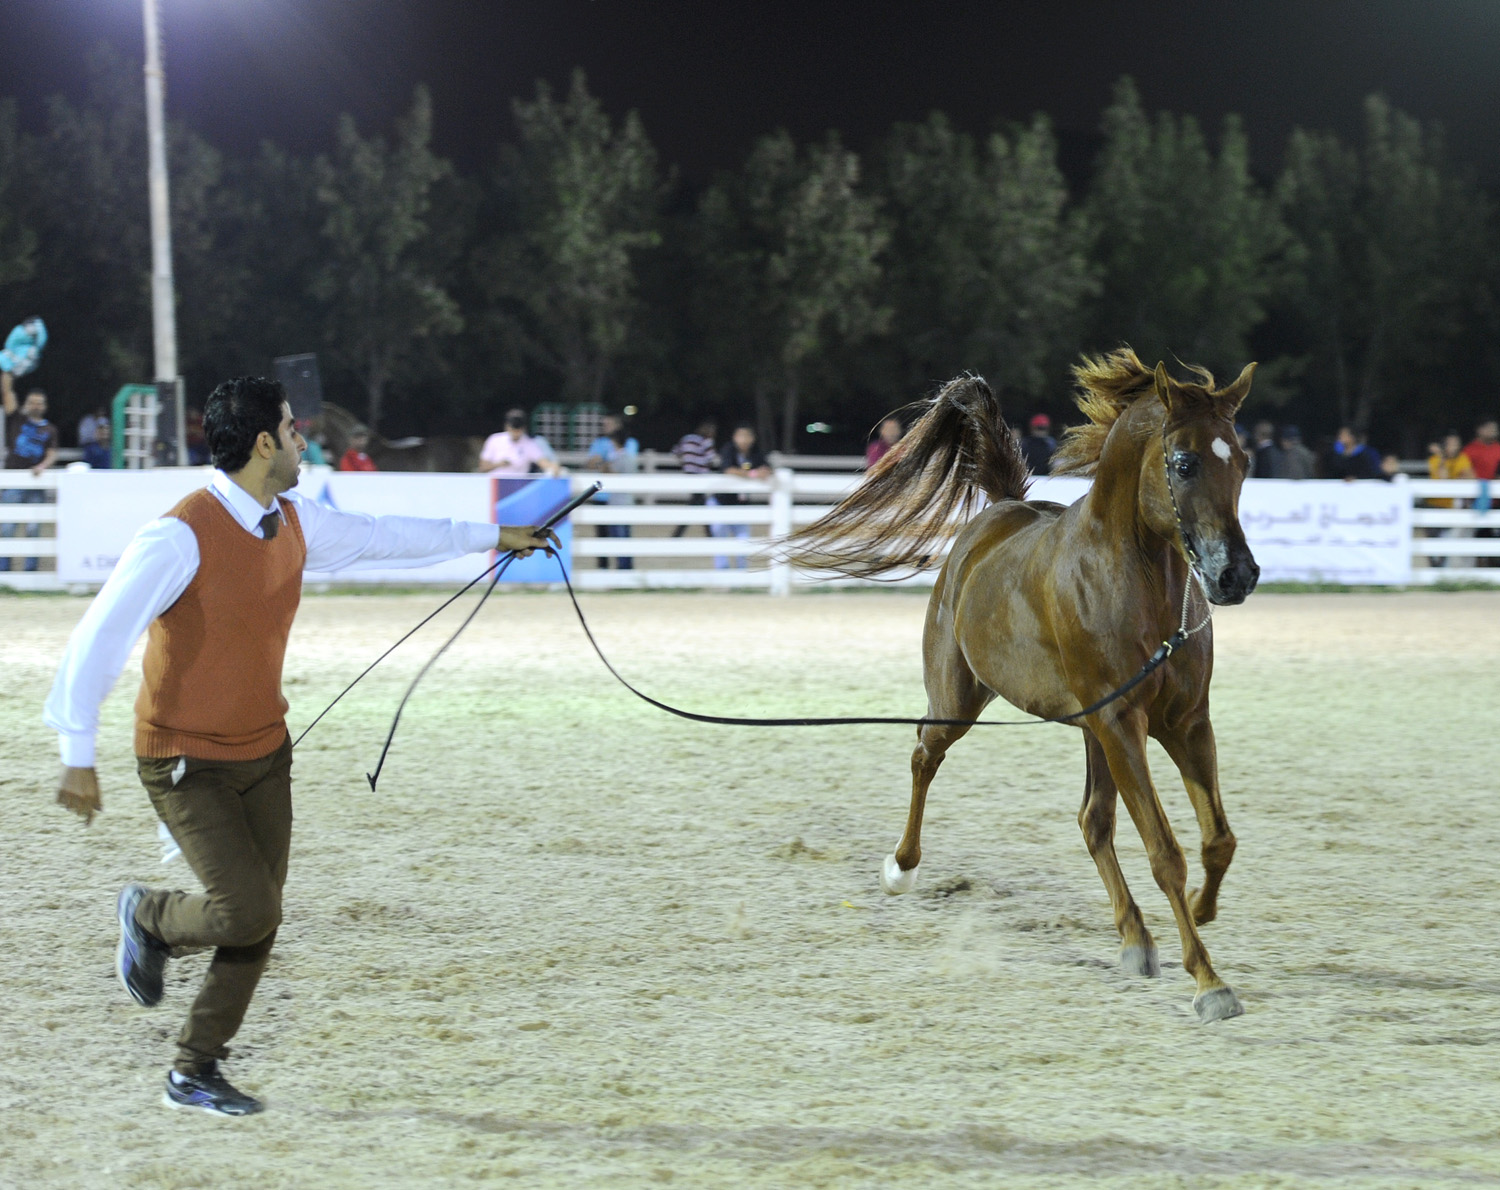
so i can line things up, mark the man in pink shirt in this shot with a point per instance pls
(513, 451)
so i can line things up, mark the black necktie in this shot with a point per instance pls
(269, 524)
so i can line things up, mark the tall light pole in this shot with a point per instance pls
(163, 297)
(163, 307)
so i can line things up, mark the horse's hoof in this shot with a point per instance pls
(894, 880)
(1140, 960)
(1202, 913)
(1217, 1004)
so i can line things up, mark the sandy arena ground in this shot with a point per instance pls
(574, 942)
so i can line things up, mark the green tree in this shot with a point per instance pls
(1396, 248)
(790, 252)
(1192, 251)
(579, 203)
(382, 287)
(988, 268)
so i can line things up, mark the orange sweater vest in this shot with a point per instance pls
(212, 671)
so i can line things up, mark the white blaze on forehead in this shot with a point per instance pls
(1221, 448)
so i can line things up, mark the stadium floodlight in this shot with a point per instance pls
(163, 295)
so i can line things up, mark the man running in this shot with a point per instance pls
(217, 580)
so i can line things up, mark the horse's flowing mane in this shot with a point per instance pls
(1107, 386)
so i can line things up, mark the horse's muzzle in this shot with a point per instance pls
(1235, 580)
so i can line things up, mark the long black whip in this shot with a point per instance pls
(510, 556)
(1164, 650)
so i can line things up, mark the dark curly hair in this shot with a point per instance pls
(237, 413)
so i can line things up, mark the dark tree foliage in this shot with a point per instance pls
(808, 284)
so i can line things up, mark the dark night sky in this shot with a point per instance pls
(708, 75)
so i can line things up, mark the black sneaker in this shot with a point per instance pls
(209, 1091)
(140, 959)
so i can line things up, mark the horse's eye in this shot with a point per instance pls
(1185, 464)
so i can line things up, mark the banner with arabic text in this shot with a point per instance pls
(1327, 531)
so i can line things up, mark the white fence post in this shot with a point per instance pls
(781, 527)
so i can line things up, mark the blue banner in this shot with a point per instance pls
(530, 502)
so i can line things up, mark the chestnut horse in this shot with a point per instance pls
(1053, 608)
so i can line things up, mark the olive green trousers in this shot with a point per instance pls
(233, 821)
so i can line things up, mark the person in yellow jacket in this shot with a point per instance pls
(1446, 460)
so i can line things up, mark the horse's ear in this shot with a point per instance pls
(1233, 396)
(1165, 389)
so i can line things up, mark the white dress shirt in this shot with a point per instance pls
(162, 559)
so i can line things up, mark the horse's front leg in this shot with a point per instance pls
(1096, 818)
(1192, 751)
(1124, 741)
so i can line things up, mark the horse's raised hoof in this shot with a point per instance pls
(1202, 913)
(894, 880)
(1140, 960)
(1217, 1004)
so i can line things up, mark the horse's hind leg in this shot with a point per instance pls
(1096, 818)
(1192, 751)
(953, 692)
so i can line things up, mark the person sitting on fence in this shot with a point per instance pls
(513, 452)
(697, 455)
(886, 436)
(742, 459)
(356, 458)
(615, 453)
(99, 452)
(31, 444)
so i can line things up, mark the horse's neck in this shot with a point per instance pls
(1114, 497)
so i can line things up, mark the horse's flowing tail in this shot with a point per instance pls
(914, 497)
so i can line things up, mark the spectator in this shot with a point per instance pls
(88, 426)
(197, 444)
(313, 455)
(1297, 462)
(99, 453)
(1484, 451)
(1268, 461)
(697, 455)
(356, 458)
(1484, 454)
(32, 445)
(743, 459)
(1390, 466)
(615, 453)
(1352, 458)
(1038, 446)
(1446, 460)
(886, 436)
(513, 452)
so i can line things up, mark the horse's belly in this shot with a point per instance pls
(1009, 650)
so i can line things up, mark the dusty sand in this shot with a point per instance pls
(572, 941)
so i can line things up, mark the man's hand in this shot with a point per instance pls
(523, 539)
(78, 790)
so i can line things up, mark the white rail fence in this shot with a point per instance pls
(678, 539)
